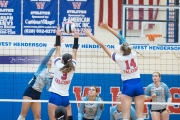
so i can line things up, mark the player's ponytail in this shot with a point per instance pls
(68, 65)
(125, 47)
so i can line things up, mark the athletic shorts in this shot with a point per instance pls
(59, 100)
(133, 87)
(34, 94)
(160, 111)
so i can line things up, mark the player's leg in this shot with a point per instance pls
(66, 103)
(26, 105)
(155, 115)
(51, 111)
(55, 100)
(165, 115)
(36, 108)
(25, 108)
(139, 103)
(126, 98)
(69, 112)
(126, 105)
(139, 99)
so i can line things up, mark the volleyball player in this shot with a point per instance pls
(116, 111)
(132, 86)
(63, 74)
(60, 113)
(91, 111)
(43, 76)
(158, 92)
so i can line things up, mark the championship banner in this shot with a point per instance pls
(40, 17)
(10, 17)
(80, 12)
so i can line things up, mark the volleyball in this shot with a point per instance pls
(68, 27)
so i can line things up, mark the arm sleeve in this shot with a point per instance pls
(132, 113)
(111, 114)
(81, 110)
(148, 91)
(121, 39)
(115, 56)
(44, 62)
(98, 114)
(74, 62)
(167, 91)
(48, 83)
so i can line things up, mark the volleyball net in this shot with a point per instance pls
(94, 67)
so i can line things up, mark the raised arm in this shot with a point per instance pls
(75, 45)
(168, 95)
(81, 111)
(107, 50)
(58, 43)
(118, 35)
(44, 62)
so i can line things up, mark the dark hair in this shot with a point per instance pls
(157, 73)
(60, 113)
(125, 48)
(68, 65)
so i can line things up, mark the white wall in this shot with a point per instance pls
(96, 61)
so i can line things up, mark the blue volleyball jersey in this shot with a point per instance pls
(42, 75)
(90, 110)
(162, 92)
(116, 115)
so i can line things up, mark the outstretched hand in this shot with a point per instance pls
(58, 31)
(87, 32)
(103, 25)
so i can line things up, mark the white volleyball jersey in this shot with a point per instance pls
(128, 65)
(61, 81)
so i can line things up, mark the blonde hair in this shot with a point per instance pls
(125, 47)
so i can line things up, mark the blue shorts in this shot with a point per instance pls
(133, 87)
(59, 100)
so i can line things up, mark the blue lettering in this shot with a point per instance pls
(83, 46)
(68, 45)
(90, 46)
(5, 43)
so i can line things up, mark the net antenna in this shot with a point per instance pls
(137, 23)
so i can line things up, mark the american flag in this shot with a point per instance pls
(110, 11)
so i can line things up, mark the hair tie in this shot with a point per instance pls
(69, 60)
(61, 117)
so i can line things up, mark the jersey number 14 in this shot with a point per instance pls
(132, 63)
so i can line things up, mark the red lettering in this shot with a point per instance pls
(175, 92)
(64, 77)
(114, 91)
(77, 91)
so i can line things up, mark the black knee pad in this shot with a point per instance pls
(70, 118)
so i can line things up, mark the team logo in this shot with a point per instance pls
(40, 5)
(3, 3)
(76, 5)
